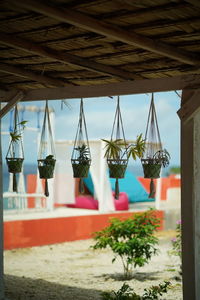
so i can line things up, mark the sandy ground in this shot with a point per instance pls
(73, 270)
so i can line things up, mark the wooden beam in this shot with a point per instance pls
(91, 24)
(46, 80)
(194, 2)
(190, 106)
(187, 208)
(112, 89)
(65, 58)
(11, 103)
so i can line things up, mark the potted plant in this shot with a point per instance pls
(81, 164)
(15, 154)
(154, 156)
(152, 166)
(14, 162)
(46, 154)
(116, 160)
(46, 167)
(81, 156)
(118, 152)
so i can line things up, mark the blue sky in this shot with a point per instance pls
(99, 114)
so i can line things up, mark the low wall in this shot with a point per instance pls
(38, 232)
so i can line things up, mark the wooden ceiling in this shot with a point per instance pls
(74, 43)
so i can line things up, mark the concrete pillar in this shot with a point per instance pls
(1, 226)
(190, 202)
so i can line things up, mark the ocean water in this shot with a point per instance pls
(136, 169)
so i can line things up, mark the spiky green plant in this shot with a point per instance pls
(117, 149)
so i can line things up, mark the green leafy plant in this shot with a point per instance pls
(127, 293)
(162, 157)
(83, 153)
(124, 293)
(16, 135)
(49, 160)
(117, 149)
(155, 291)
(131, 240)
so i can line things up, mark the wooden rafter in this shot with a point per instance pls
(194, 2)
(46, 80)
(11, 102)
(120, 88)
(190, 106)
(66, 58)
(88, 23)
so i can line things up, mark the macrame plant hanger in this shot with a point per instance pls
(153, 144)
(15, 154)
(46, 153)
(81, 155)
(117, 166)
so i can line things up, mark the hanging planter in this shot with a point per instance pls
(154, 157)
(15, 154)
(118, 151)
(81, 156)
(46, 155)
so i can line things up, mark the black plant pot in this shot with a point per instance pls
(117, 168)
(46, 168)
(80, 168)
(151, 169)
(14, 165)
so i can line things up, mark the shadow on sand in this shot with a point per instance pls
(140, 276)
(22, 288)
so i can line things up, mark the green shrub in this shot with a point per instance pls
(132, 239)
(127, 293)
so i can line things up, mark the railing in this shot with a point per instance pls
(19, 202)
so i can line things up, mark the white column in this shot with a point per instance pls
(190, 200)
(1, 225)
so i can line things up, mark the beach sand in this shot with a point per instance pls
(72, 270)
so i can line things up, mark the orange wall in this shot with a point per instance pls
(166, 183)
(28, 233)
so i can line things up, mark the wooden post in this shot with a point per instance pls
(190, 201)
(1, 226)
(197, 203)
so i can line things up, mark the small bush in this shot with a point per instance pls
(132, 239)
(127, 293)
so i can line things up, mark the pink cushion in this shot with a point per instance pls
(87, 202)
(122, 203)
